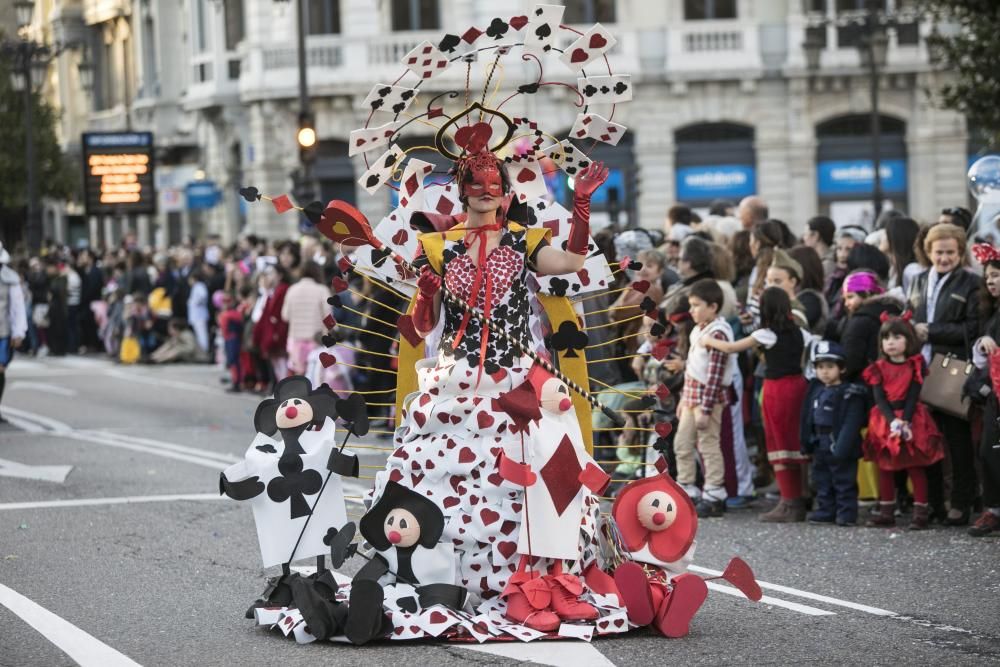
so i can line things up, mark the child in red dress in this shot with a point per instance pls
(901, 433)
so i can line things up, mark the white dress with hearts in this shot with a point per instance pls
(453, 431)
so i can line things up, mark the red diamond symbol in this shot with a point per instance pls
(471, 35)
(562, 475)
(445, 206)
(427, 49)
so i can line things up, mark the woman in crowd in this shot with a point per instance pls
(900, 235)
(985, 355)
(304, 308)
(864, 302)
(809, 291)
(945, 304)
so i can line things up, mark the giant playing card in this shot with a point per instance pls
(287, 491)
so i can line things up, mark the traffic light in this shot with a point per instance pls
(306, 137)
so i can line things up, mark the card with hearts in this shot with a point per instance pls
(591, 45)
(522, 632)
(569, 158)
(543, 24)
(442, 199)
(394, 230)
(526, 178)
(595, 126)
(389, 98)
(381, 169)
(426, 61)
(575, 631)
(411, 185)
(613, 623)
(370, 138)
(437, 619)
(605, 89)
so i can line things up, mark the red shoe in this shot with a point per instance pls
(520, 611)
(674, 616)
(636, 595)
(566, 590)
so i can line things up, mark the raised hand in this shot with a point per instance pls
(590, 179)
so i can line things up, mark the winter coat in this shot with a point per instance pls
(860, 338)
(956, 316)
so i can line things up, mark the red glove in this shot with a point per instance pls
(429, 284)
(584, 187)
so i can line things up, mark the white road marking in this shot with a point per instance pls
(123, 437)
(45, 387)
(41, 473)
(573, 653)
(174, 384)
(121, 500)
(83, 648)
(784, 604)
(806, 594)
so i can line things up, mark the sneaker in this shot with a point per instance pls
(847, 523)
(819, 517)
(987, 523)
(710, 509)
(739, 502)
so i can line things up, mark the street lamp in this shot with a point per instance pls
(873, 46)
(29, 62)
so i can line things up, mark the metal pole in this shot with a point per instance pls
(875, 129)
(300, 8)
(34, 233)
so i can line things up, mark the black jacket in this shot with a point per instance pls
(956, 317)
(850, 416)
(860, 335)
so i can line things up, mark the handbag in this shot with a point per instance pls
(942, 389)
(130, 350)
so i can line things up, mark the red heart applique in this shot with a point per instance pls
(663, 429)
(579, 55)
(400, 237)
(424, 400)
(437, 617)
(641, 286)
(420, 418)
(339, 285)
(466, 455)
(473, 138)
(488, 516)
(485, 419)
(518, 22)
(526, 176)
(662, 392)
(507, 549)
(327, 359)
(597, 41)
(450, 501)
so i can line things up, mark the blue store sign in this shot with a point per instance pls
(202, 195)
(857, 177)
(729, 181)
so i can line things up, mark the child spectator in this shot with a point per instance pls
(706, 382)
(832, 419)
(231, 327)
(901, 433)
(783, 393)
(180, 346)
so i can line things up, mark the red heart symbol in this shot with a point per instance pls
(395, 476)
(584, 276)
(507, 527)
(518, 22)
(466, 455)
(420, 418)
(455, 481)
(443, 417)
(339, 285)
(597, 41)
(450, 501)
(485, 420)
(416, 479)
(525, 176)
(400, 237)
(344, 265)
(327, 359)
(437, 617)
(342, 223)
(662, 392)
(619, 622)
(660, 349)
(579, 55)
(663, 429)
(507, 549)
(488, 516)
(473, 138)
(455, 419)
(424, 400)
(641, 286)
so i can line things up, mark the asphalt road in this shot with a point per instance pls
(110, 565)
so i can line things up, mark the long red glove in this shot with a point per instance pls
(424, 315)
(584, 187)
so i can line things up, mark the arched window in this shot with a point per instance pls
(415, 15)
(714, 161)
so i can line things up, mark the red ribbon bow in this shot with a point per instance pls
(984, 252)
(906, 317)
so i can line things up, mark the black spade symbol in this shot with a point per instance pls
(390, 160)
(569, 339)
(635, 266)
(251, 194)
(372, 181)
(543, 31)
(448, 44)
(647, 304)
(657, 330)
(314, 211)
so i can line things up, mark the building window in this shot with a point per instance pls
(324, 17)
(235, 27)
(703, 10)
(200, 27)
(415, 15)
(860, 5)
(589, 11)
(150, 84)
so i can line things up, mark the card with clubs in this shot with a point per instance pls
(605, 89)
(426, 61)
(370, 138)
(595, 274)
(595, 126)
(526, 178)
(590, 46)
(411, 185)
(569, 158)
(389, 98)
(381, 170)
(543, 24)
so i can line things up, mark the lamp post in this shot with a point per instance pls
(29, 62)
(873, 46)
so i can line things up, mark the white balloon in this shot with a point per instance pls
(984, 179)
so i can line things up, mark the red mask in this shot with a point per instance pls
(485, 179)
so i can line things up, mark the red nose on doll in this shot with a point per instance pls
(394, 536)
(659, 518)
(291, 412)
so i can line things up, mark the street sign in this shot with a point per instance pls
(717, 181)
(118, 173)
(202, 195)
(857, 177)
